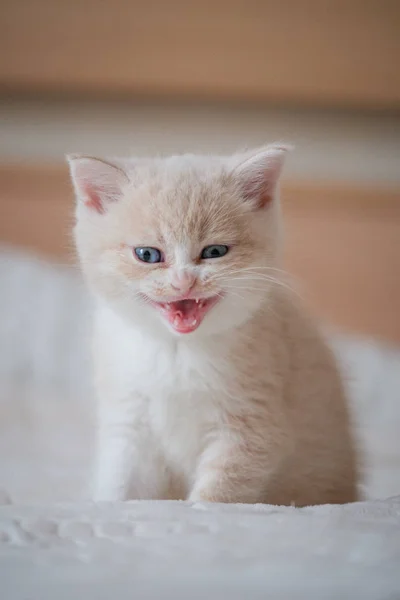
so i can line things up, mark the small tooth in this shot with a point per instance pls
(197, 301)
(194, 322)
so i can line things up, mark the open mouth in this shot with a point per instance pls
(185, 315)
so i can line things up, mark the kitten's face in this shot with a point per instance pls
(184, 244)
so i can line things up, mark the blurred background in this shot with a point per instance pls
(161, 76)
(110, 77)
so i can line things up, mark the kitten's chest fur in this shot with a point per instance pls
(178, 389)
(184, 407)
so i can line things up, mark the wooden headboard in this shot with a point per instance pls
(343, 243)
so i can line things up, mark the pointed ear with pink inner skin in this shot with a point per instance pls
(259, 174)
(96, 181)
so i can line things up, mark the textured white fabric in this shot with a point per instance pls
(46, 435)
(175, 551)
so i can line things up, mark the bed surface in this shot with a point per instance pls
(172, 549)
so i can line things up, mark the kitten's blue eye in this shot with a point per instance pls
(148, 255)
(215, 251)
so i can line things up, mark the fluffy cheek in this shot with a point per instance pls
(114, 276)
(154, 285)
(233, 310)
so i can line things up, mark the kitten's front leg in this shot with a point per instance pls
(113, 466)
(127, 463)
(234, 471)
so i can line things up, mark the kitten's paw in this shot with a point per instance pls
(206, 496)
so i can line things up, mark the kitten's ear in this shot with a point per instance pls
(96, 181)
(258, 175)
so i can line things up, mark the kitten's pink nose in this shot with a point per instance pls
(182, 281)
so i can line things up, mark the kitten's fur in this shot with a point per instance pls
(247, 408)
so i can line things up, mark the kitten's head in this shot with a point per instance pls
(188, 243)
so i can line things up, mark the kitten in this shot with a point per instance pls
(213, 384)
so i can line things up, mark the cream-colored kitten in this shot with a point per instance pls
(213, 384)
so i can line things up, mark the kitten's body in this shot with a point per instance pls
(249, 406)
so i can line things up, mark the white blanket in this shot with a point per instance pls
(174, 550)
(166, 549)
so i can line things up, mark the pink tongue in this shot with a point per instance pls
(184, 314)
